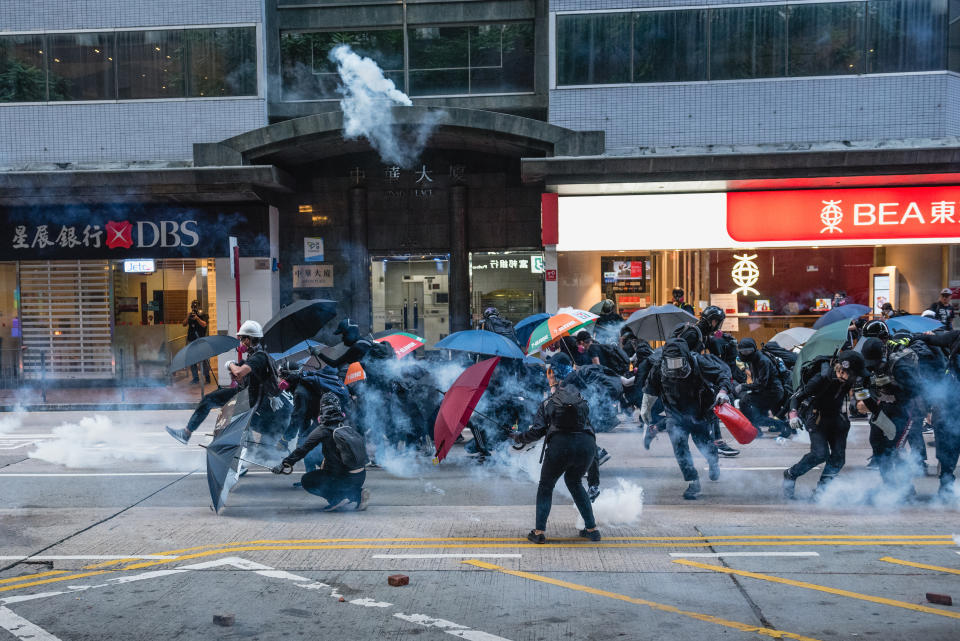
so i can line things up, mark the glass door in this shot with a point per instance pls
(410, 293)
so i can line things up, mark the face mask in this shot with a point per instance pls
(745, 354)
(581, 348)
(243, 348)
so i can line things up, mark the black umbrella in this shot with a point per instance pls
(297, 322)
(657, 323)
(223, 453)
(202, 349)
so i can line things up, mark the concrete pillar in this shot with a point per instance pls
(551, 293)
(358, 258)
(459, 261)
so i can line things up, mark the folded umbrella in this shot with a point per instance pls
(565, 322)
(657, 323)
(458, 405)
(403, 342)
(524, 328)
(297, 322)
(223, 452)
(841, 312)
(824, 342)
(481, 341)
(202, 349)
(913, 324)
(790, 338)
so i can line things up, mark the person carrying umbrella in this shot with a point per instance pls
(818, 406)
(357, 347)
(197, 323)
(569, 449)
(342, 473)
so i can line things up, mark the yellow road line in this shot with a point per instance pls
(54, 580)
(27, 577)
(924, 566)
(707, 618)
(821, 588)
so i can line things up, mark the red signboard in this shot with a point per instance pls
(549, 227)
(844, 214)
(550, 274)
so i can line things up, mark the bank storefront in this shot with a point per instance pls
(772, 259)
(98, 293)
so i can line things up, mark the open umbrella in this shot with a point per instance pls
(658, 322)
(824, 342)
(842, 312)
(223, 453)
(355, 374)
(481, 341)
(596, 308)
(202, 349)
(458, 405)
(566, 321)
(403, 342)
(299, 352)
(913, 324)
(297, 322)
(790, 338)
(524, 328)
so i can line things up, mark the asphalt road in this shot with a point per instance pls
(106, 533)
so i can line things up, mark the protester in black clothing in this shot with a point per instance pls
(336, 481)
(357, 347)
(945, 410)
(678, 300)
(942, 308)
(197, 323)
(494, 322)
(569, 449)
(608, 322)
(818, 406)
(765, 390)
(589, 351)
(307, 388)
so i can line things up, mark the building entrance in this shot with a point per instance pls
(411, 293)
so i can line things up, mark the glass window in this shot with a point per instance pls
(81, 66)
(308, 72)
(670, 46)
(439, 60)
(22, 74)
(953, 37)
(501, 58)
(593, 49)
(825, 39)
(748, 42)
(221, 62)
(906, 35)
(150, 64)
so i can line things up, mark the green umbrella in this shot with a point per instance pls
(824, 342)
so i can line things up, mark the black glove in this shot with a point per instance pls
(515, 435)
(282, 468)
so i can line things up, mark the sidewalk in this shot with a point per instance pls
(180, 396)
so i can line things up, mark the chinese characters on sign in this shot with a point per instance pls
(422, 180)
(312, 276)
(67, 237)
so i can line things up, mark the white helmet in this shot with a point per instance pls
(250, 328)
(929, 313)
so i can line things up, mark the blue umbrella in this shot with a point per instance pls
(525, 327)
(843, 312)
(480, 341)
(914, 324)
(297, 351)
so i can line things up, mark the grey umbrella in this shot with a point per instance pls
(657, 323)
(297, 322)
(202, 349)
(223, 453)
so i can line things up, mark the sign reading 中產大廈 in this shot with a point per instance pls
(844, 214)
(305, 276)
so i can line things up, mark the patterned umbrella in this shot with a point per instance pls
(568, 321)
(403, 342)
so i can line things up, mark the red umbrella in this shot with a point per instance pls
(458, 405)
(403, 342)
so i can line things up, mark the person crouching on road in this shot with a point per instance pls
(342, 472)
(569, 448)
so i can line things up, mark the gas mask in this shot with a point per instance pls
(746, 354)
(675, 368)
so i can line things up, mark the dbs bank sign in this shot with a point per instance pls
(145, 234)
(906, 213)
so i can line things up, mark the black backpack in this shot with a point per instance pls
(817, 365)
(615, 358)
(565, 414)
(502, 326)
(351, 448)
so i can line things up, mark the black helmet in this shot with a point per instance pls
(560, 364)
(714, 316)
(872, 352)
(331, 411)
(350, 331)
(691, 334)
(675, 362)
(677, 293)
(746, 348)
(852, 362)
(626, 331)
(876, 329)
(607, 306)
(491, 311)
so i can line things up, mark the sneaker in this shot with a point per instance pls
(364, 499)
(587, 534)
(714, 470)
(725, 450)
(593, 492)
(336, 506)
(298, 484)
(873, 463)
(690, 494)
(788, 487)
(539, 539)
(648, 437)
(602, 456)
(182, 435)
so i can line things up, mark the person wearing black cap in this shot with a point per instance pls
(357, 347)
(678, 300)
(764, 392)
(942, 309)
(818, 406)
(588, 351)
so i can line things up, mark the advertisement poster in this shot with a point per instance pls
(881, 292)
(628, 269)
(761, 305)
(728, 303)
(313, 250)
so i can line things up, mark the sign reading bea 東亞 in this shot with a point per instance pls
(844, 214)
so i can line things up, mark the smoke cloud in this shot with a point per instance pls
(368, 99)
(12, 420)
(620, 505)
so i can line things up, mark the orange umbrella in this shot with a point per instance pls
(568, 321)
(355, 374)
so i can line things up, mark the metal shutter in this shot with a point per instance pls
(65, 313)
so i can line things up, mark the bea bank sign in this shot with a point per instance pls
(844, 214)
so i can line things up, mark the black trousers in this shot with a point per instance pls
(948, 448)
(680, 431)
(219, 398)
(828, 444)
(893, 471)
(756, 405)
(568, 454)
(334, 487)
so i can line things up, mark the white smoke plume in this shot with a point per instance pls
(12, 420)
(96, 442)
(620, 505)
(368, 99)
(956, 539)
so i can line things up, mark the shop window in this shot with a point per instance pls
(669, 46)
(906, 35)
(625, 281)
(510, 281)
(748, 42)
(594, 49)
(953, 37)
(81, 66)
(501, 58)
(221, 62)
(22, 69)
(150, 64)
(308, 72)
(826, 39)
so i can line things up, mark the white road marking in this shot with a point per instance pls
(446, 556)
(88, 557)
(21, 628)
(449, 627)
(714, 555)
(94, 474)
(751, 469)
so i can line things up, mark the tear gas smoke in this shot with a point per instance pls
(956, 539)
(368, 99)
(97, 442)
(620, 505)
(12, 420)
